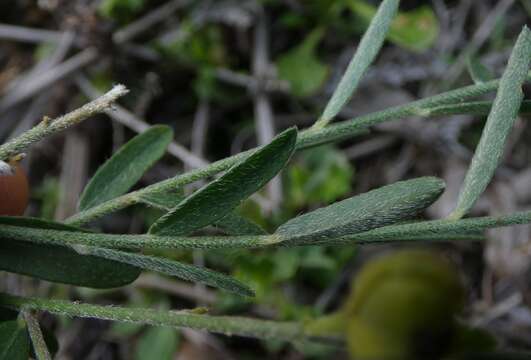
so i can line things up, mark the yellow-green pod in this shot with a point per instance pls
(403, 306)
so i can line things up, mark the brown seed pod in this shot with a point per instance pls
(14, 189)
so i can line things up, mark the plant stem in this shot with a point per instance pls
(441, 104)
(228, 325)
(37, 339)
(48, 127)
(133, 242)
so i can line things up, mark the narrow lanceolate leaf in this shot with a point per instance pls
(232, 224)
(368, 48)
(58, 263)
(172, 268)
(383, 206)
(126, 167)
(437, 230)
(214, 201)
(14, 340)
(498, 126)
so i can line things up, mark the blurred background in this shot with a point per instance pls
(227, 76)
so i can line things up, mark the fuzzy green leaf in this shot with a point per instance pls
(232, 224)
(126, 167)
(59, 263)
(498, 126)
(14, 340)
(368, 48)
(215, 200)
(383, 206)
(172, 268)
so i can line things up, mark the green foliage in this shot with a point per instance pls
(415, 30)
(14, 340)
(121, 10)
(442, 230)
(383, 206)
(48, 194)
(301, 67)
(171, 268)
(370, 45)
(215, 200)
(157, 343)
(59, 263)
(194, 45)
(126, 166)
(499, 123)
(317, 176)
(478, 72)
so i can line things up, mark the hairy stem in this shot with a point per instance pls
(228, 325)
(48, 127)
(134, 242)
(37, 339)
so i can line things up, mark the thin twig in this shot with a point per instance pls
(48, 126)
(131, 121)
(25, 34)
(479, 37)
(137, 27)
(263, 111)
(47, 78)
(28, 78)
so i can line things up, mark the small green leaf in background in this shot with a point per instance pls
(478, 72)
(120, 10)
(415, 30)
(200, 46)
(126, 166)
(212, 202)
(383, 206)
(301, 67)
(158, 343)
(14, 340)
(319, 175)
(368, 48)
(498, 126)
(58, 263)
(48, 195)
